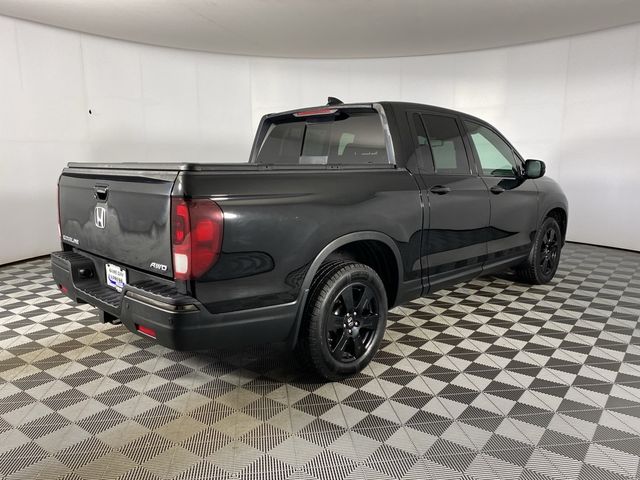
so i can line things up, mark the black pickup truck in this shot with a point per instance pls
(341, 212)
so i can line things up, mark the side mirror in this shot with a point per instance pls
(534, 168)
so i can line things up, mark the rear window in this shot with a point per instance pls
(346, 137)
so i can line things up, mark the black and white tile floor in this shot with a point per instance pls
(492, 379)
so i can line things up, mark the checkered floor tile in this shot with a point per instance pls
(491, 379)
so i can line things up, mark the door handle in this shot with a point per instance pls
(496, 189)
(440, 190)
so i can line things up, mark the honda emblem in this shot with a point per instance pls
(100, 216)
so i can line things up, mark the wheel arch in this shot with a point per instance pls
(337, 245)
(559, 213)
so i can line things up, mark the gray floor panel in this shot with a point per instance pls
(491, 379)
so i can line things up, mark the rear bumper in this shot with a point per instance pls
(179, 322)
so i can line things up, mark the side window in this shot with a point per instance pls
(447, 148)
(496, 157)
(420, 158)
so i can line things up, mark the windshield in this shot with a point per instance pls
(346, 137)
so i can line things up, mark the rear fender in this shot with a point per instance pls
(323, 255)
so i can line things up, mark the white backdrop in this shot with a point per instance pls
(572, 102)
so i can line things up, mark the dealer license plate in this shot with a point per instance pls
(116, 276)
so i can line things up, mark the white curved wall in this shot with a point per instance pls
(572, 102)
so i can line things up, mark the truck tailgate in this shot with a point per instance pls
(122, 215)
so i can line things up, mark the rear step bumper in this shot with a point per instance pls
(179, 322)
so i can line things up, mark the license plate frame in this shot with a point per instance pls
(116, 276)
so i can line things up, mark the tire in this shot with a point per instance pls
(344, 320)
(542, 263)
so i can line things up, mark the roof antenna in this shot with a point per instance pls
(334, 101)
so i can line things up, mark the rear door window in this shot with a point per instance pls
(344, 138)
(447, 147)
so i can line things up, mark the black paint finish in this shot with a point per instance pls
(292, 216)
(135, 230)
(281, 222)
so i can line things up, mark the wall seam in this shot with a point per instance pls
(143, 104)
(201, 132)
(85, 90)
(18, 59)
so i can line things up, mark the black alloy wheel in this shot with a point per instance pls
(344, 319)
(353, 323)
(544, 257)
(549, 252)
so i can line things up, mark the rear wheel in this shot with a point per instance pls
(544, 257)
(344, 320)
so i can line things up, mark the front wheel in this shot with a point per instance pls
(344, 320)
(543, 260)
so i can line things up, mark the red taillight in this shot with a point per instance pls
(196, 236)
(146, 330)
(315, 111)
(180, 222)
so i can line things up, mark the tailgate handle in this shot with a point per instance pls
(101, 192)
